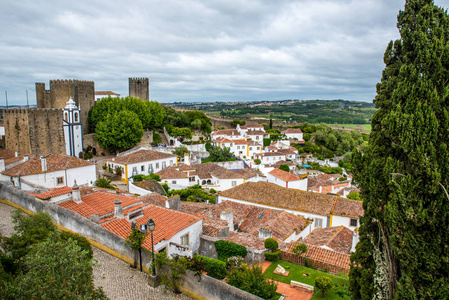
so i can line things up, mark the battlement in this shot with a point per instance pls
(138, 79)
(139, 87)
(69, 82)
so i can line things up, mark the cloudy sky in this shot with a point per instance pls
(193, 50)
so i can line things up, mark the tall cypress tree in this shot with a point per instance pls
(403, 251)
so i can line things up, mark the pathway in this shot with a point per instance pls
(286, 290)
(119, 281)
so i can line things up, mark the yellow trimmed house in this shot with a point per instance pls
(142, 162)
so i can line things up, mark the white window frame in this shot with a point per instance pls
(185, 240)
(60, 180)
(318, 222)
(356, 222)
(234, 183)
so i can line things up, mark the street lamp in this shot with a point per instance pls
(143, 230)
(151, 227)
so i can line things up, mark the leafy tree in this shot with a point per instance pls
(306, 136)
(156, 114)
(150, 176)
(104, 182)
(271, 123)
(403, 252)
(236, 121)
(285, 168)
(196, 124)
(181, 132)
(300, 249)
(219, 154)
(172, 270)
(251, 279)
(180, 151)
(271, 244)
(257, 161)
(324, 284)
(156, 139)
(120, 131)
(353, 195)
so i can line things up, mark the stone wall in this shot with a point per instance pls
(82, 92)
(320, 265)
(140, 88)
(232, 165)
(17, 132)
(226, 123)
(213, 289)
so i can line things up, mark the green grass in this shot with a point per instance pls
(296, 274)
(206, 160)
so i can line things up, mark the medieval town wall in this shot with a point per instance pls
(17, 131)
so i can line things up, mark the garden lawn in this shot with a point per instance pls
(206, 160)
(339, 291)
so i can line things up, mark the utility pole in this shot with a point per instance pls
(6, 94)
(28, 104)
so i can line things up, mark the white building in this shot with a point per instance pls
(54, 170)
(287, 180)
(104, 94)
(142, 162)
(293, 133)
(250, 126)
(73, 130)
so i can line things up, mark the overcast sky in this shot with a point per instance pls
(199, 50)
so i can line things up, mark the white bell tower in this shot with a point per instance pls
(73, 130)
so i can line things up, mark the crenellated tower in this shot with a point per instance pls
(139, 88)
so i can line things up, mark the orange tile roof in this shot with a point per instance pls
(326, 256)
(251, 125)
(229, 132)
(98, 93)
(337, 238)
(6, 153)
(285, 176)
(283, 198)
(53, 193)
(223, 140)
(292, 131)
(168, 222)
(240, 142)
(55, 162)
(256, 132)
(141, 156)
(171, 173)
(100, 203)
(348, 208)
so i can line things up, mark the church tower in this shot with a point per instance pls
(73, 129)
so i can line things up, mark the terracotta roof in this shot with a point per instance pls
(337, 238)
(240, 142)
(270, 154)
(249, 173)
(292, 131)
(348, 189)
(100, 203)
(204, 171)
(246, 240)
(283, 198)
(53, 193)
(150, 185)
(171, 173)
(287, 151)
(326, 256)
(253, 143)
(285, 176)
(154, 199)
(55, 162)
(168, 223)
(324, 177)
(141, 156)
(223, 140)
(98, 93)
(348, 208)
(229, 132)
(256, 132)
(6, 153)
(284, 162)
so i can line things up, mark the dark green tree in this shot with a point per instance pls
(403, 175)
(285, 168)
(119, 131)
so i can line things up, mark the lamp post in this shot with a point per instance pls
(151, 227)
(143, 230)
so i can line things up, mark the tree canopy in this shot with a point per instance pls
(403, 252)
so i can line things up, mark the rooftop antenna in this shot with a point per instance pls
(6, 94)
(28, 104)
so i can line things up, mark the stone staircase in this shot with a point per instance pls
(164, 138)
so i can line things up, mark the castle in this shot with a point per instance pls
(139, 88)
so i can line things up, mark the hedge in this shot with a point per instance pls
(272, 256)
(226, 249)
(215, 268)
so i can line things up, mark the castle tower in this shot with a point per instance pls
(139, 88)
(73, 129)
(82, 92)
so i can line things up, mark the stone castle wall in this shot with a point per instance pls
(34, 131)
(139, 88)
(82, 92)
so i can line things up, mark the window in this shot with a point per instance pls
(142, 168)
(353, 222)
(171, 162)
(238, 147)
(157, 165)
(185, 240)
(164, 165)
(258, 148)
(250, 148)
(134, 171)
(66, 117)
(150, 168)
(60, 180)
(243, 147)
(318, 222)
(234, 183)
(173, 182)
(76, 117)
(257, 138)
(192, 179)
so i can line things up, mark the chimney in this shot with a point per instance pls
(187, 159)
(44, 164)
(2, 164)
(173, 202)
(228, 215)
(321, 188)
(26, 158)
(16, 154)
(76, 195)
(264, 233)
(118, 211)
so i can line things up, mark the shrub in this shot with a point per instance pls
(271, 244)
(285, 168)
(257, 161)
(266, 142)
(300, 249)
(251, 279)
(272, 256)
(156, 139)
(104, 167)
(226, 249)
(353, 195)
(342, 179)
(323, 283)
(234, 262)
(215, 268)
(212, 191)
(80, 240)
(118, 171)
(104, 182)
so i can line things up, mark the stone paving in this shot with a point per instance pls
(119, 281)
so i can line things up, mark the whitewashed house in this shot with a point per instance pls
(54, 170)
(287, 180)
(142, 162)
(104, 94)
(250, 126)
(293, 133)
(324, 210)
